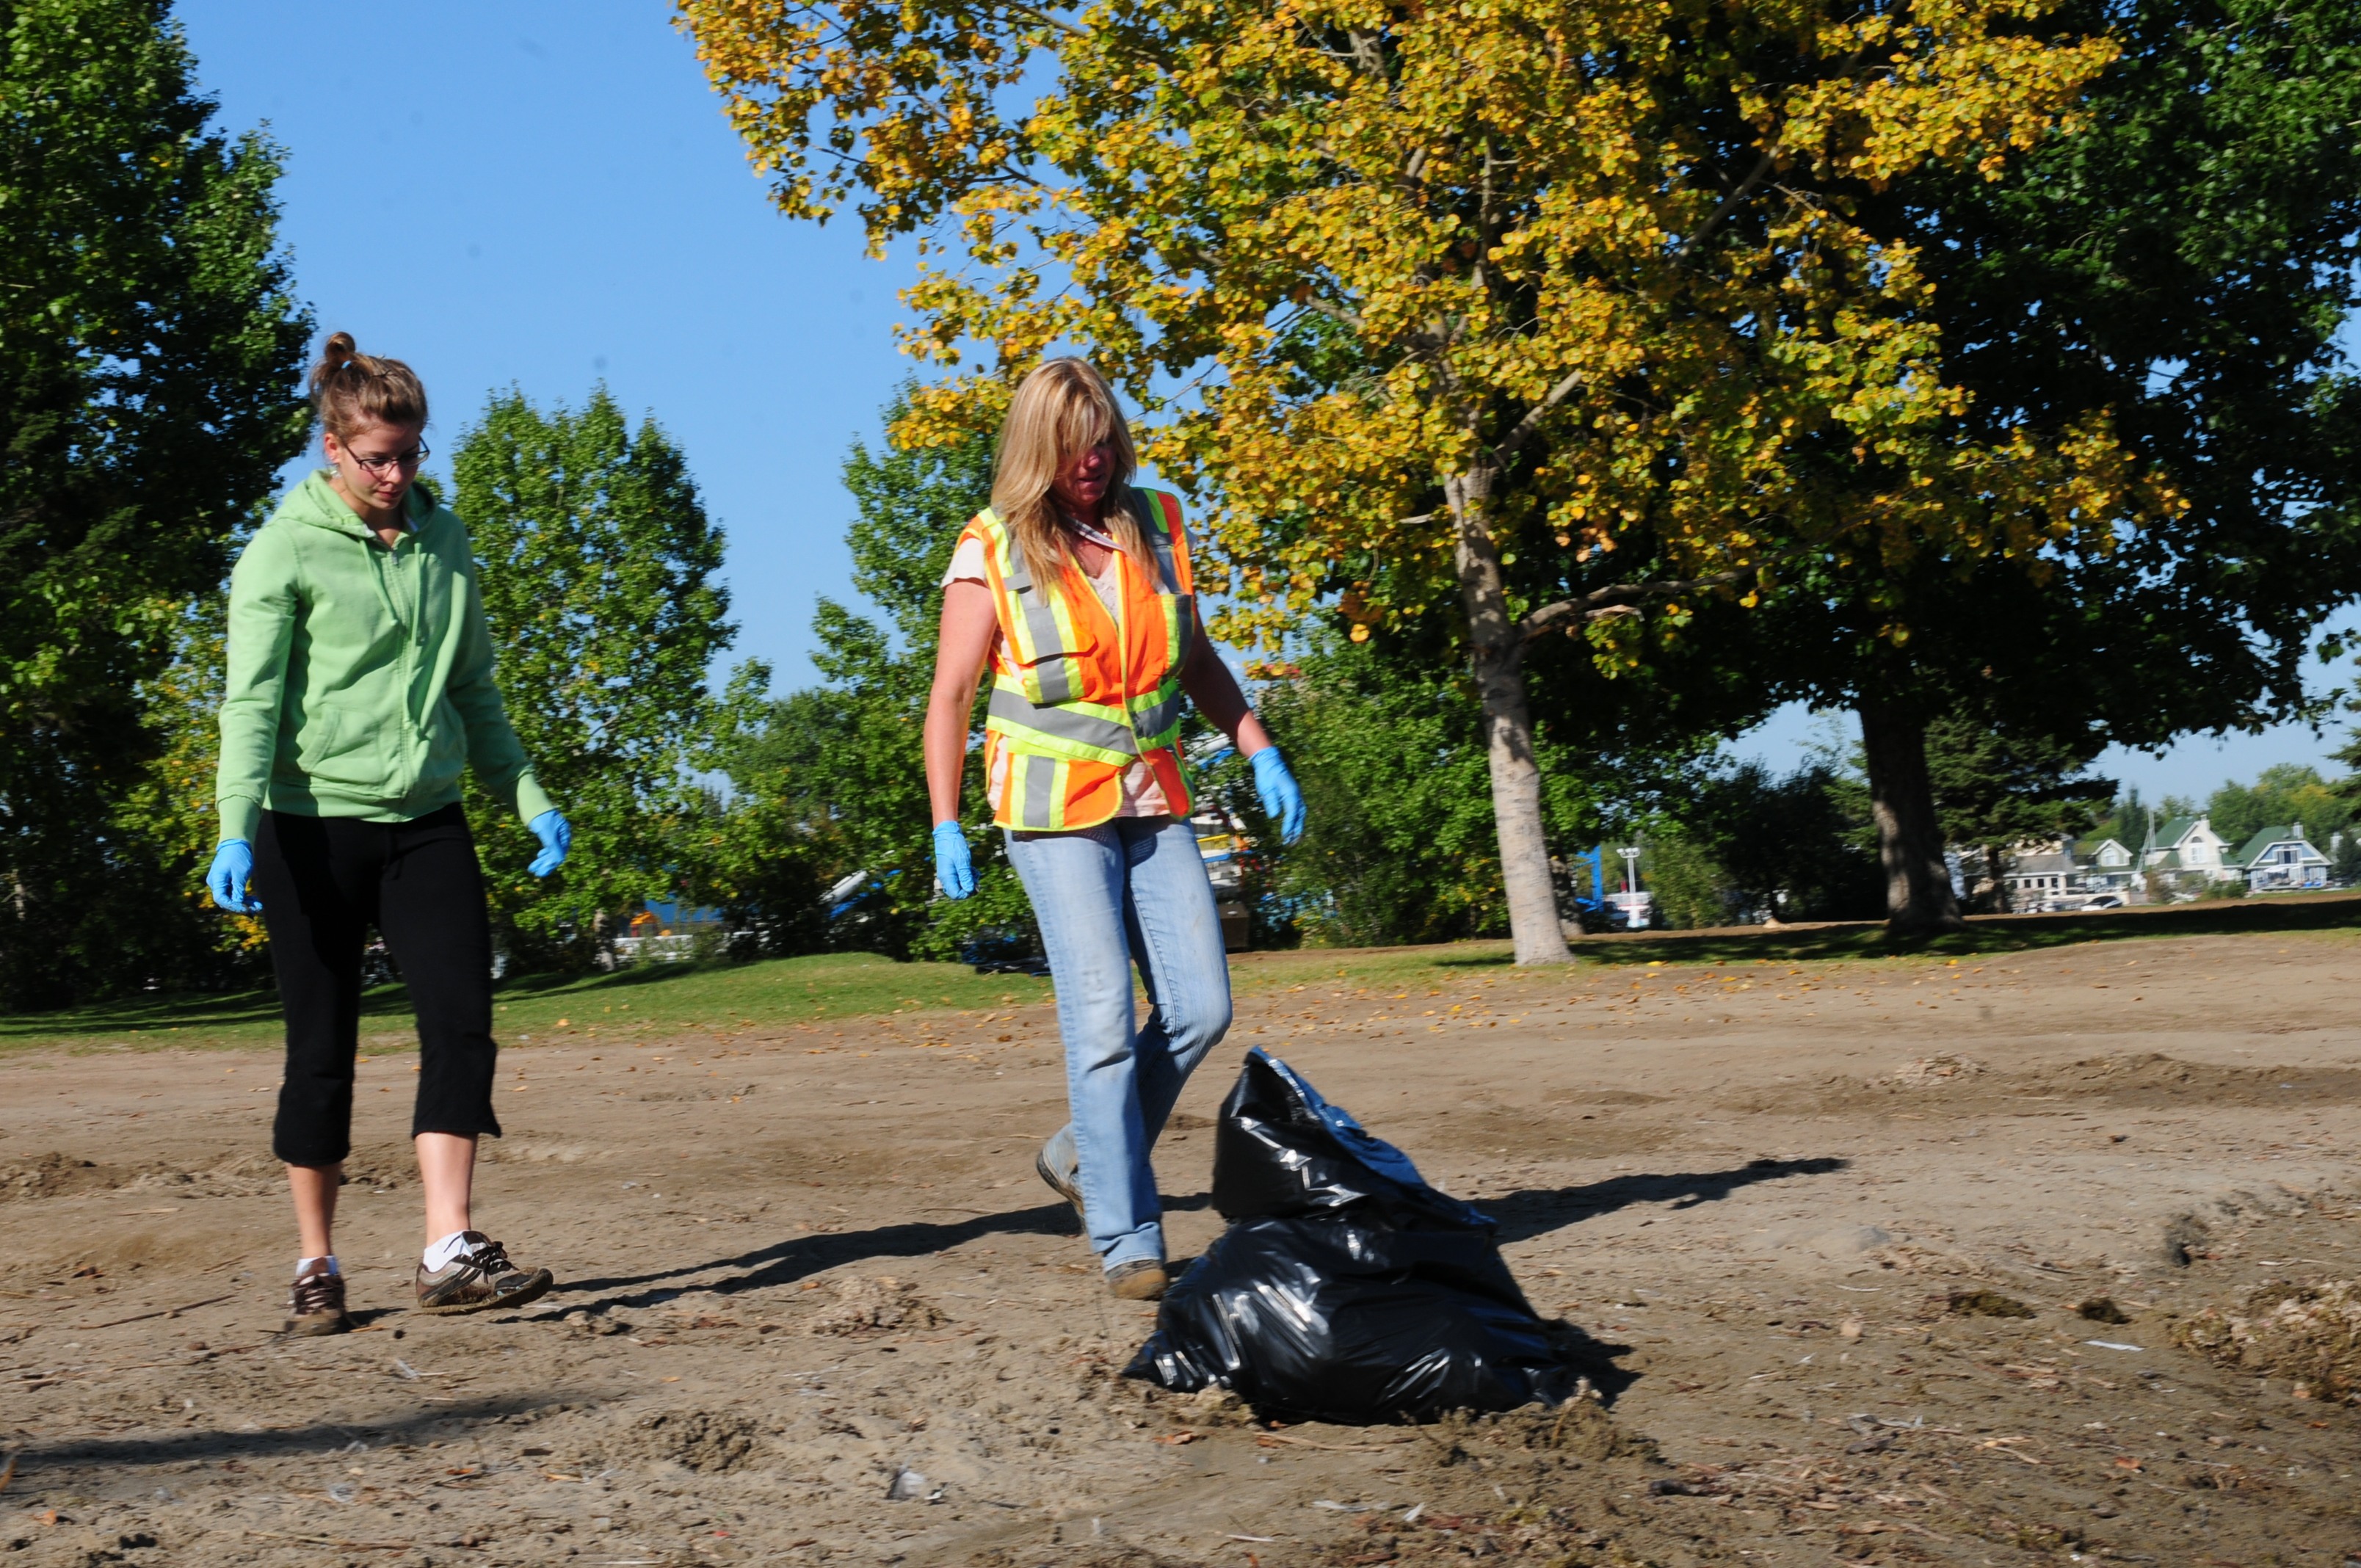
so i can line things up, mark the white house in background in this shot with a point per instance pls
(2187, 848)
(2037, 876)
(2280, 858)
(2104, 865)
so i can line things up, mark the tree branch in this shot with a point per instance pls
(1039, 15)
(1618, 598)
(1333, 313)
(1526, 428)
(1730, 203)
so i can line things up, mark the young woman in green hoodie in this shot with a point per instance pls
(360, 688)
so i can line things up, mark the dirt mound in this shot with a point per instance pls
(2152, 1079)
(869, 1306)
(2309, 1335)
(2148, 1080)
(53, 1176)
(1579, 1429)
(707, 1441)
(61, 1175)
(1939, 1069)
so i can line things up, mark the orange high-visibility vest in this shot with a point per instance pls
(1078, 695)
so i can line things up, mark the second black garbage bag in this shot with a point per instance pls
(1346, 1289)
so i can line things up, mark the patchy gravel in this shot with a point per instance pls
(2033, 1261)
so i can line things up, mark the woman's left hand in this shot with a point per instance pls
(1283, 799)
(556, 838)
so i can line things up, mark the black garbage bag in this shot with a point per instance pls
(1346, 1289)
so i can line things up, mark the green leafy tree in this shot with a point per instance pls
(148, 353)
(597, 564)
(1388, 741)
(1400, 845)
(844, 759)
(1689, 888)
(2343, 859)
(2175, 271)
(1799, 848)
(2284, 794)
(1468, 284)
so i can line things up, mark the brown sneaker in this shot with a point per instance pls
(1141, 1280)
(479, 1279)
(317, 1306)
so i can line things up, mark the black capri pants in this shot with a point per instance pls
(323, 880)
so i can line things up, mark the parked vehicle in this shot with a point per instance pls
(1004, 952)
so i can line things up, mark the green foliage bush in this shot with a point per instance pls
(843, 760)
(149, 348)
(597, 564)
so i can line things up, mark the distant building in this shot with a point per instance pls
(2186, 851)
(2061, 876)
(2036, 878)
(2104, 865)
(2278, 857)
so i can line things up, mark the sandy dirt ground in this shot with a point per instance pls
(815, 1306)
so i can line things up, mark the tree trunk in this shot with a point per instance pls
(1996, 868)
(1499, 663)
(1918, 898)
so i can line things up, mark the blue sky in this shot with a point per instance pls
(547, 195)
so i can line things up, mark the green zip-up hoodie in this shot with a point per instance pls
(361, 678)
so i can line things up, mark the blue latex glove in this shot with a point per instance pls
(954, 872)
(557, 837)
(233, 863)
(1283, 801)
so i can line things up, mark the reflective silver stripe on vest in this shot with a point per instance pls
(1158, 529)
(1153, 723)
(1062, 723)
(1054, 671)
(1041, 792)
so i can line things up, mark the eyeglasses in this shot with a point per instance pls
(375, 465)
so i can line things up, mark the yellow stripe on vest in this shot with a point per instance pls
(1065, 714)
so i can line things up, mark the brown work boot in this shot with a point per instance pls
(316, 1305)
(1141, 1280)
(479, 1279)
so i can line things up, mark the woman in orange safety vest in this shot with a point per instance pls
(1074, 585)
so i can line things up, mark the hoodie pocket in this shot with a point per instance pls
(333, 748)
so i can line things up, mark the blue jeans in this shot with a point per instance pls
(1130, 891)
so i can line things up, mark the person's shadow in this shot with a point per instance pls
(1521, 1216)
(1538, 1210)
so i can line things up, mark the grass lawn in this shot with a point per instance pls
(651, 999)
(666, 999)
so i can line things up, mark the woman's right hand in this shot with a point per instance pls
(954, 870)
(226, 877)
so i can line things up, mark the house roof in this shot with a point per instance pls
(2050, 864)
(2291, 834)
(2089, 848)
(2170, 835)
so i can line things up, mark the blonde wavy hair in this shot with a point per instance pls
(1063, 407)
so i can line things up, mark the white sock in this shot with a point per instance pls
(327, 1265)
(440, 1254)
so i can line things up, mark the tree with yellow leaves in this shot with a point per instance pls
(1544, 317)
